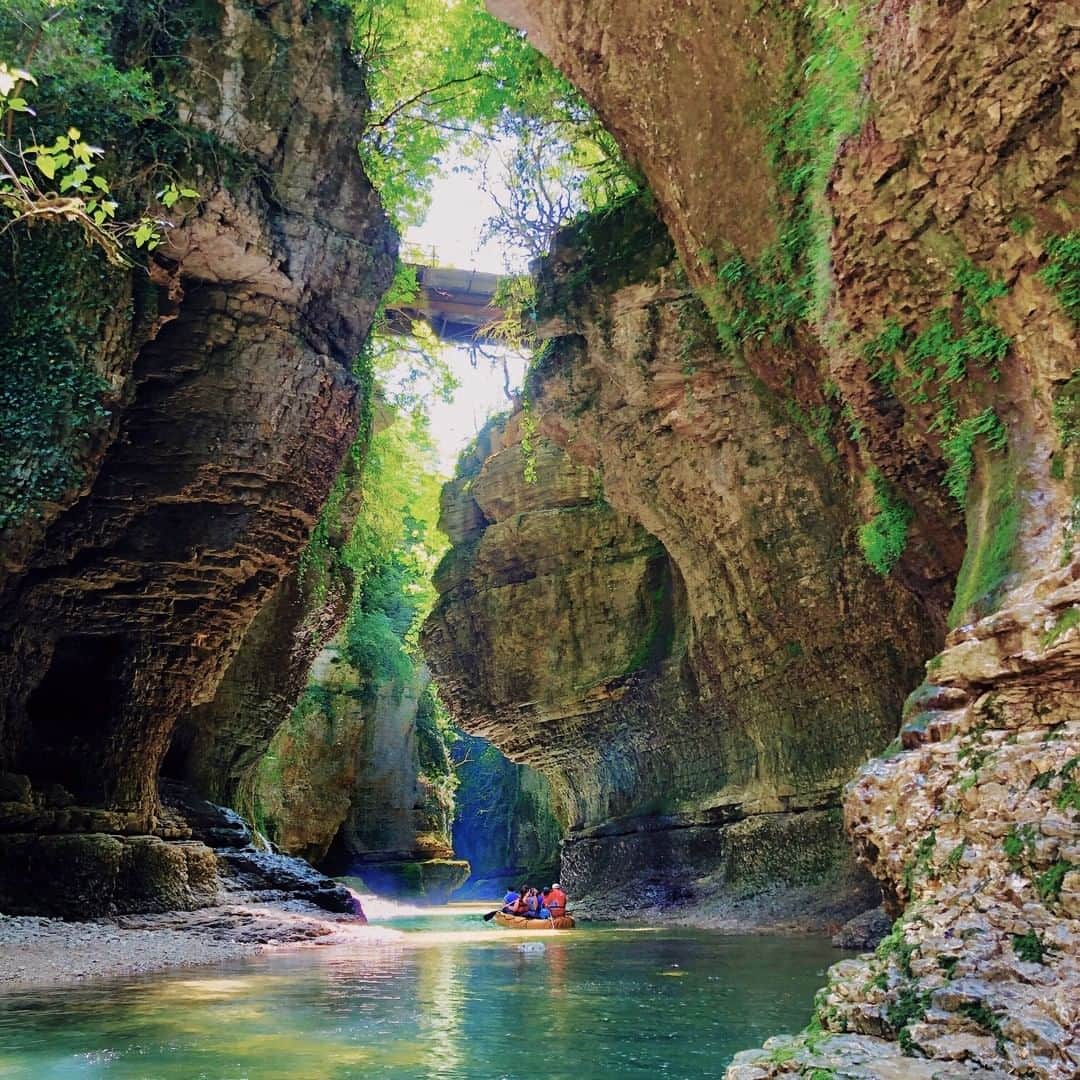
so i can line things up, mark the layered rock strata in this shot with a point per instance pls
(943, 200)
(636, 621)
(228, 428)
(202, 856)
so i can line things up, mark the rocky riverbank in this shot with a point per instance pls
(38, 952)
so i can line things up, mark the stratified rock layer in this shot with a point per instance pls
(673, 621)
(230, 424)
(935, 222)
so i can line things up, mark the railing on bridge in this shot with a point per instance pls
(455, 303)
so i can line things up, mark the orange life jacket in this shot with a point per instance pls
(556, 901)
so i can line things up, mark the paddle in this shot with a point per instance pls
(491, 915)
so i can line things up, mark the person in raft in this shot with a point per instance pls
(531, 904)
(555, 901)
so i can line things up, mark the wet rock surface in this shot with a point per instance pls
(865, 931)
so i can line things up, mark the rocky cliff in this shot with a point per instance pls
(359, 781)
(877, 206)
(664, 545)
(227, 406)
(505, 822)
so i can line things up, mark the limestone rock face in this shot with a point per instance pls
(230, 424)
(357, 781)
(673, 622)
(941, 208)
(694, 123)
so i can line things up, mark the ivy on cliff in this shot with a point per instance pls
(789, 282)
(73, 73)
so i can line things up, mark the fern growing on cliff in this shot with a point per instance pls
(959, 449)
(1062, 271)
(884, 537)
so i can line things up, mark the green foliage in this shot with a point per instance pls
(942, 352)
(879, 353)
(815, 425)
(1019, 845)
(992, 542)
(941, 355)
(1062, 271)
(959, 339)
(528, 443)
(959, 449)
(884, 537)
(91, 60)
(58, 296)
(1049, 884)
(981, 1014)
(435, 735)
(515, 297)
(895, 946)
(445, 74)
(1062, 625)
(393, 549)
(1069, 796)
(789, 282)
(412, 368)
(1066, 410)
(781, 1054)
(1029, 947)
(909, 1005)
(920, 864)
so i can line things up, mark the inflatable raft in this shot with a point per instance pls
(518, 922)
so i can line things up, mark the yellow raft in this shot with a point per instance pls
(519, 922)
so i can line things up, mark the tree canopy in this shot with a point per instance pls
(444, 75)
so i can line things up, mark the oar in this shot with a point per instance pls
(491, 915)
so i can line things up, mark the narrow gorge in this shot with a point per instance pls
(756, 611)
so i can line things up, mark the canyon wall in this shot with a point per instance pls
(359, 781)
(659, 602)
(505, 822)
(877, 206)
(229, 407)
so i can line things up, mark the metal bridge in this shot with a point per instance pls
(456, 304)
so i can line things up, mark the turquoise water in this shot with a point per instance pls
(451, 998)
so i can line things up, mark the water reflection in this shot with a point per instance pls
(439, 1004)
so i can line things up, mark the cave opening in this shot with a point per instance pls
(70, 712)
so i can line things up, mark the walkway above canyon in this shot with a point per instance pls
(455, 303)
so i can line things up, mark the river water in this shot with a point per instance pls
(451, 998)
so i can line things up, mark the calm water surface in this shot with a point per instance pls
(450, 999)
